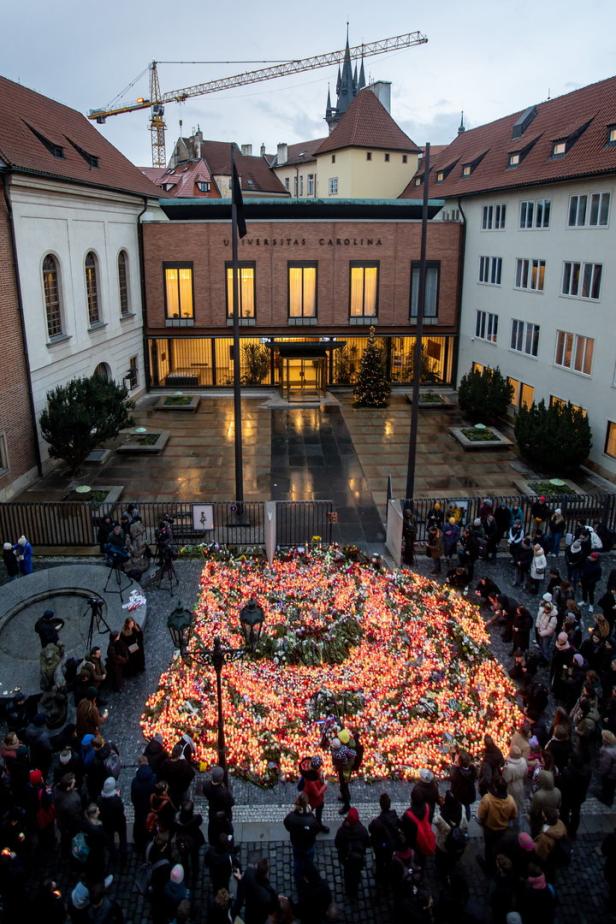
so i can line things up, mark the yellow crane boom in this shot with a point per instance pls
(157, 100)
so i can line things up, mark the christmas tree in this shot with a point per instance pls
(372, 388)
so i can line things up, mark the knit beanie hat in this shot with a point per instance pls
(177, 873)
(547, 598)
(525, 841)
(344, 736)
(109, 787)
(353, 816)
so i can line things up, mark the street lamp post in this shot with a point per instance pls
(180, 626)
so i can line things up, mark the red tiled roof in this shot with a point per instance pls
(255, 174)
(555, 119)
(304, 147)
(367, 124)
(184, 178)
(24, 113)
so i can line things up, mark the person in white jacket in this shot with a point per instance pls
(537, 568)
(545, 625)
(514, 775)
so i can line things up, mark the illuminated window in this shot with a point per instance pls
(555, 401)
(53, 304)
(123, 283)
(178, 292)
(530, 274)
(574, 351)
(467, 169)
(440, 176)
(559, 148)
(523, 394)
(611, 134)
(610, 439)
(302, 290)
(514, 159)
(432, 283)
(582, 280)
(94, 315)
(246, 286)
(364, 289)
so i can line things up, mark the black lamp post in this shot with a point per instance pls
(180, 625)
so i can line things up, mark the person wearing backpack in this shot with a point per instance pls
(386, 836)
(417, 829)
(497, 810)
(451, 829)
(352, 841)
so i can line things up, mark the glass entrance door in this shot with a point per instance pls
(303, 378)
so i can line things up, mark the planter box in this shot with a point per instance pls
(524, 487)
(172, 403)
(113, 494)
(98, 457)
(143, 443)
(496, 439)
(443, 404)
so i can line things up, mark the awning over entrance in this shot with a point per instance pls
(304, 350)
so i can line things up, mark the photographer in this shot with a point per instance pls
(115, 548)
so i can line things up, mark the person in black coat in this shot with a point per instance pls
(303, 828)
(352, 840)
(521, 627)
(141, 788)
(156, 753)
(463, 778)
(178, 773)
(426, 790)
(590, 577)
(221, 861)
(10, 560)
(573, 782)
(256, 892)
(189, 837)
(220, 802)
(48, 627)
(485, 589)
(386, 836)
(113, 817)
(607, 603)
(314, 898)
(523, 559)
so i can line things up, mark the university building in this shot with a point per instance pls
(314, 278)
(536, 194)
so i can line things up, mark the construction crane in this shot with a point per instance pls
(158, 100)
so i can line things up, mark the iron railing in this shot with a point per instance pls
(588, 508)
(297, 522)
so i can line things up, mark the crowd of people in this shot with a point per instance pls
(63, 817)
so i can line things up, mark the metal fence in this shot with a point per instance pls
(589, 508)
(74, 524)
(298, 521)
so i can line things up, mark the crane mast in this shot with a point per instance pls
(158, 100)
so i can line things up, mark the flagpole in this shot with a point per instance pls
(421, 297)
(237, 393)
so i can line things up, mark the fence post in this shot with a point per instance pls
(393, 541)
(390, 494)
(270, 529)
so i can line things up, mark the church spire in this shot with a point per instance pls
(362, 76)
(461, 126)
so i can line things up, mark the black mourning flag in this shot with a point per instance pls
(236, 198)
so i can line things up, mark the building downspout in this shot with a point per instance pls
(146, 352)
(461, 255)
(22, 323)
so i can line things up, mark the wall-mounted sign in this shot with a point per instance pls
(302, 242)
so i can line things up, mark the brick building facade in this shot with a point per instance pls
(18, 461)
(325, 275)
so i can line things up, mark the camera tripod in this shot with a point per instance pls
(166, 570)
(115, 567)
(97, 620)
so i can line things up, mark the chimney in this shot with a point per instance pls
(281, 154)
(382, 91)
(246, 150)
(262, 150)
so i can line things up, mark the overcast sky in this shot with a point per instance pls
(484, 56)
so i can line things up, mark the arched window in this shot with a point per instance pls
(102, 372)
(123, 283)
(53, 305)
(92, 289)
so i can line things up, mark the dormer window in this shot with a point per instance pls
(470, 165)
(514, 159)
(203, 186)
(467, 169)
(168, 186)
(90, 159)
(440, 176)
(559, 148)
(418, 181)
(562, 145)
(56, 150)
(611, 135)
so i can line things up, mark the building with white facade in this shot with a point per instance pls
(536, 191)
(75, 207)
